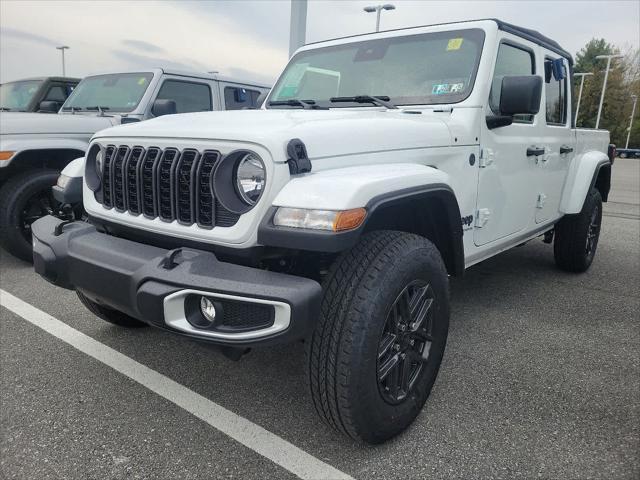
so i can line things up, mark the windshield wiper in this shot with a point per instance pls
(72, 109)
(5, 109)
(381, 101)
(294, 102)
(98, 108)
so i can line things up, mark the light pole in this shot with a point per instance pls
(581, 75)
(62, 49)
(378, 9)
(633, 111)
(604, 84)
(297, 25)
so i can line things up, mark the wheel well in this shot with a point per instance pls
(434, 215)
(45, 158)
(603, 181)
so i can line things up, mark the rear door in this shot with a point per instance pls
(190, 95)
(238, 97)
(558, 137)
(506, 191)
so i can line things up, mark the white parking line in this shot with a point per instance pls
(249, 434)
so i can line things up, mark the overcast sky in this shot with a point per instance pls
(249, 38)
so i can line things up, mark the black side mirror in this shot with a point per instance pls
(520, 95)
(164, 107)
(49, 106)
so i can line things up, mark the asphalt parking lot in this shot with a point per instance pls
(541, 378)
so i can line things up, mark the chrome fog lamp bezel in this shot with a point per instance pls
(240, 191)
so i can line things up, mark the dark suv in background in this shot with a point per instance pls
(44, 94)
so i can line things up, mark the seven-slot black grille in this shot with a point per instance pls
(165, 183)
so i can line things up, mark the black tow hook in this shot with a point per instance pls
(169, 261)
(60, 227)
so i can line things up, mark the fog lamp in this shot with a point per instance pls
(208, 309)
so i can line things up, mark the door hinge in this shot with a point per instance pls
(482, 217)
(542, 198)
(486, 158)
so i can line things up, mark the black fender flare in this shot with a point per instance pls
(448, 238)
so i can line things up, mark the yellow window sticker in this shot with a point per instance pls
(454, 44)
(141, 81)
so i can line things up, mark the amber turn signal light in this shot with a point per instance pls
(349, 219)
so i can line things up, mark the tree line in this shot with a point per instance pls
(623, 81)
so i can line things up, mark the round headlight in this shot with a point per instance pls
(99, 162)
(250, 178)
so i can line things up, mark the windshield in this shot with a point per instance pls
(411, 70)
(120, 92)
(17, 95)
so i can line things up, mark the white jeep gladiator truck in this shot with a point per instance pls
(34, 148)
(379, 165)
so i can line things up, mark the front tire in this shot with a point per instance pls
(576, 236)
(109, 315)
(376, 350)
(23, 199)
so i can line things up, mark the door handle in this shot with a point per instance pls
(535, 151)
(565, 149)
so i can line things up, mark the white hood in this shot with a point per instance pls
(16, 123)
(326, 133)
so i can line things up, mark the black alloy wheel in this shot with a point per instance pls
(405, 341)
(593, 233)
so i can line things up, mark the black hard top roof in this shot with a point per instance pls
(533, 36)
(526, 33)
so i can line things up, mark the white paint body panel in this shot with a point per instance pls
(360, 153)
(353, 187)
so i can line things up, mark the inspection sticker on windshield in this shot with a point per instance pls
(444, 88)
(142, 80)
(454, 44)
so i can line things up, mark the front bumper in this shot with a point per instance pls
(154, 284)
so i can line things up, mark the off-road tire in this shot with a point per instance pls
(110, 315)
(14, 195)
(342, 353)
(570, 247)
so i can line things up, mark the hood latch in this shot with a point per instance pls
(297, 157)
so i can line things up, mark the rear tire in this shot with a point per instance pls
(576, 236)
(371, 363)
(110, 315)
(23, 199)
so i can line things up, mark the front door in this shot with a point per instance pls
(506, 187)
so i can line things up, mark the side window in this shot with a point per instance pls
(189, 96)
(511, 60)
(56, 93)
(555, 88)
(237, 98)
